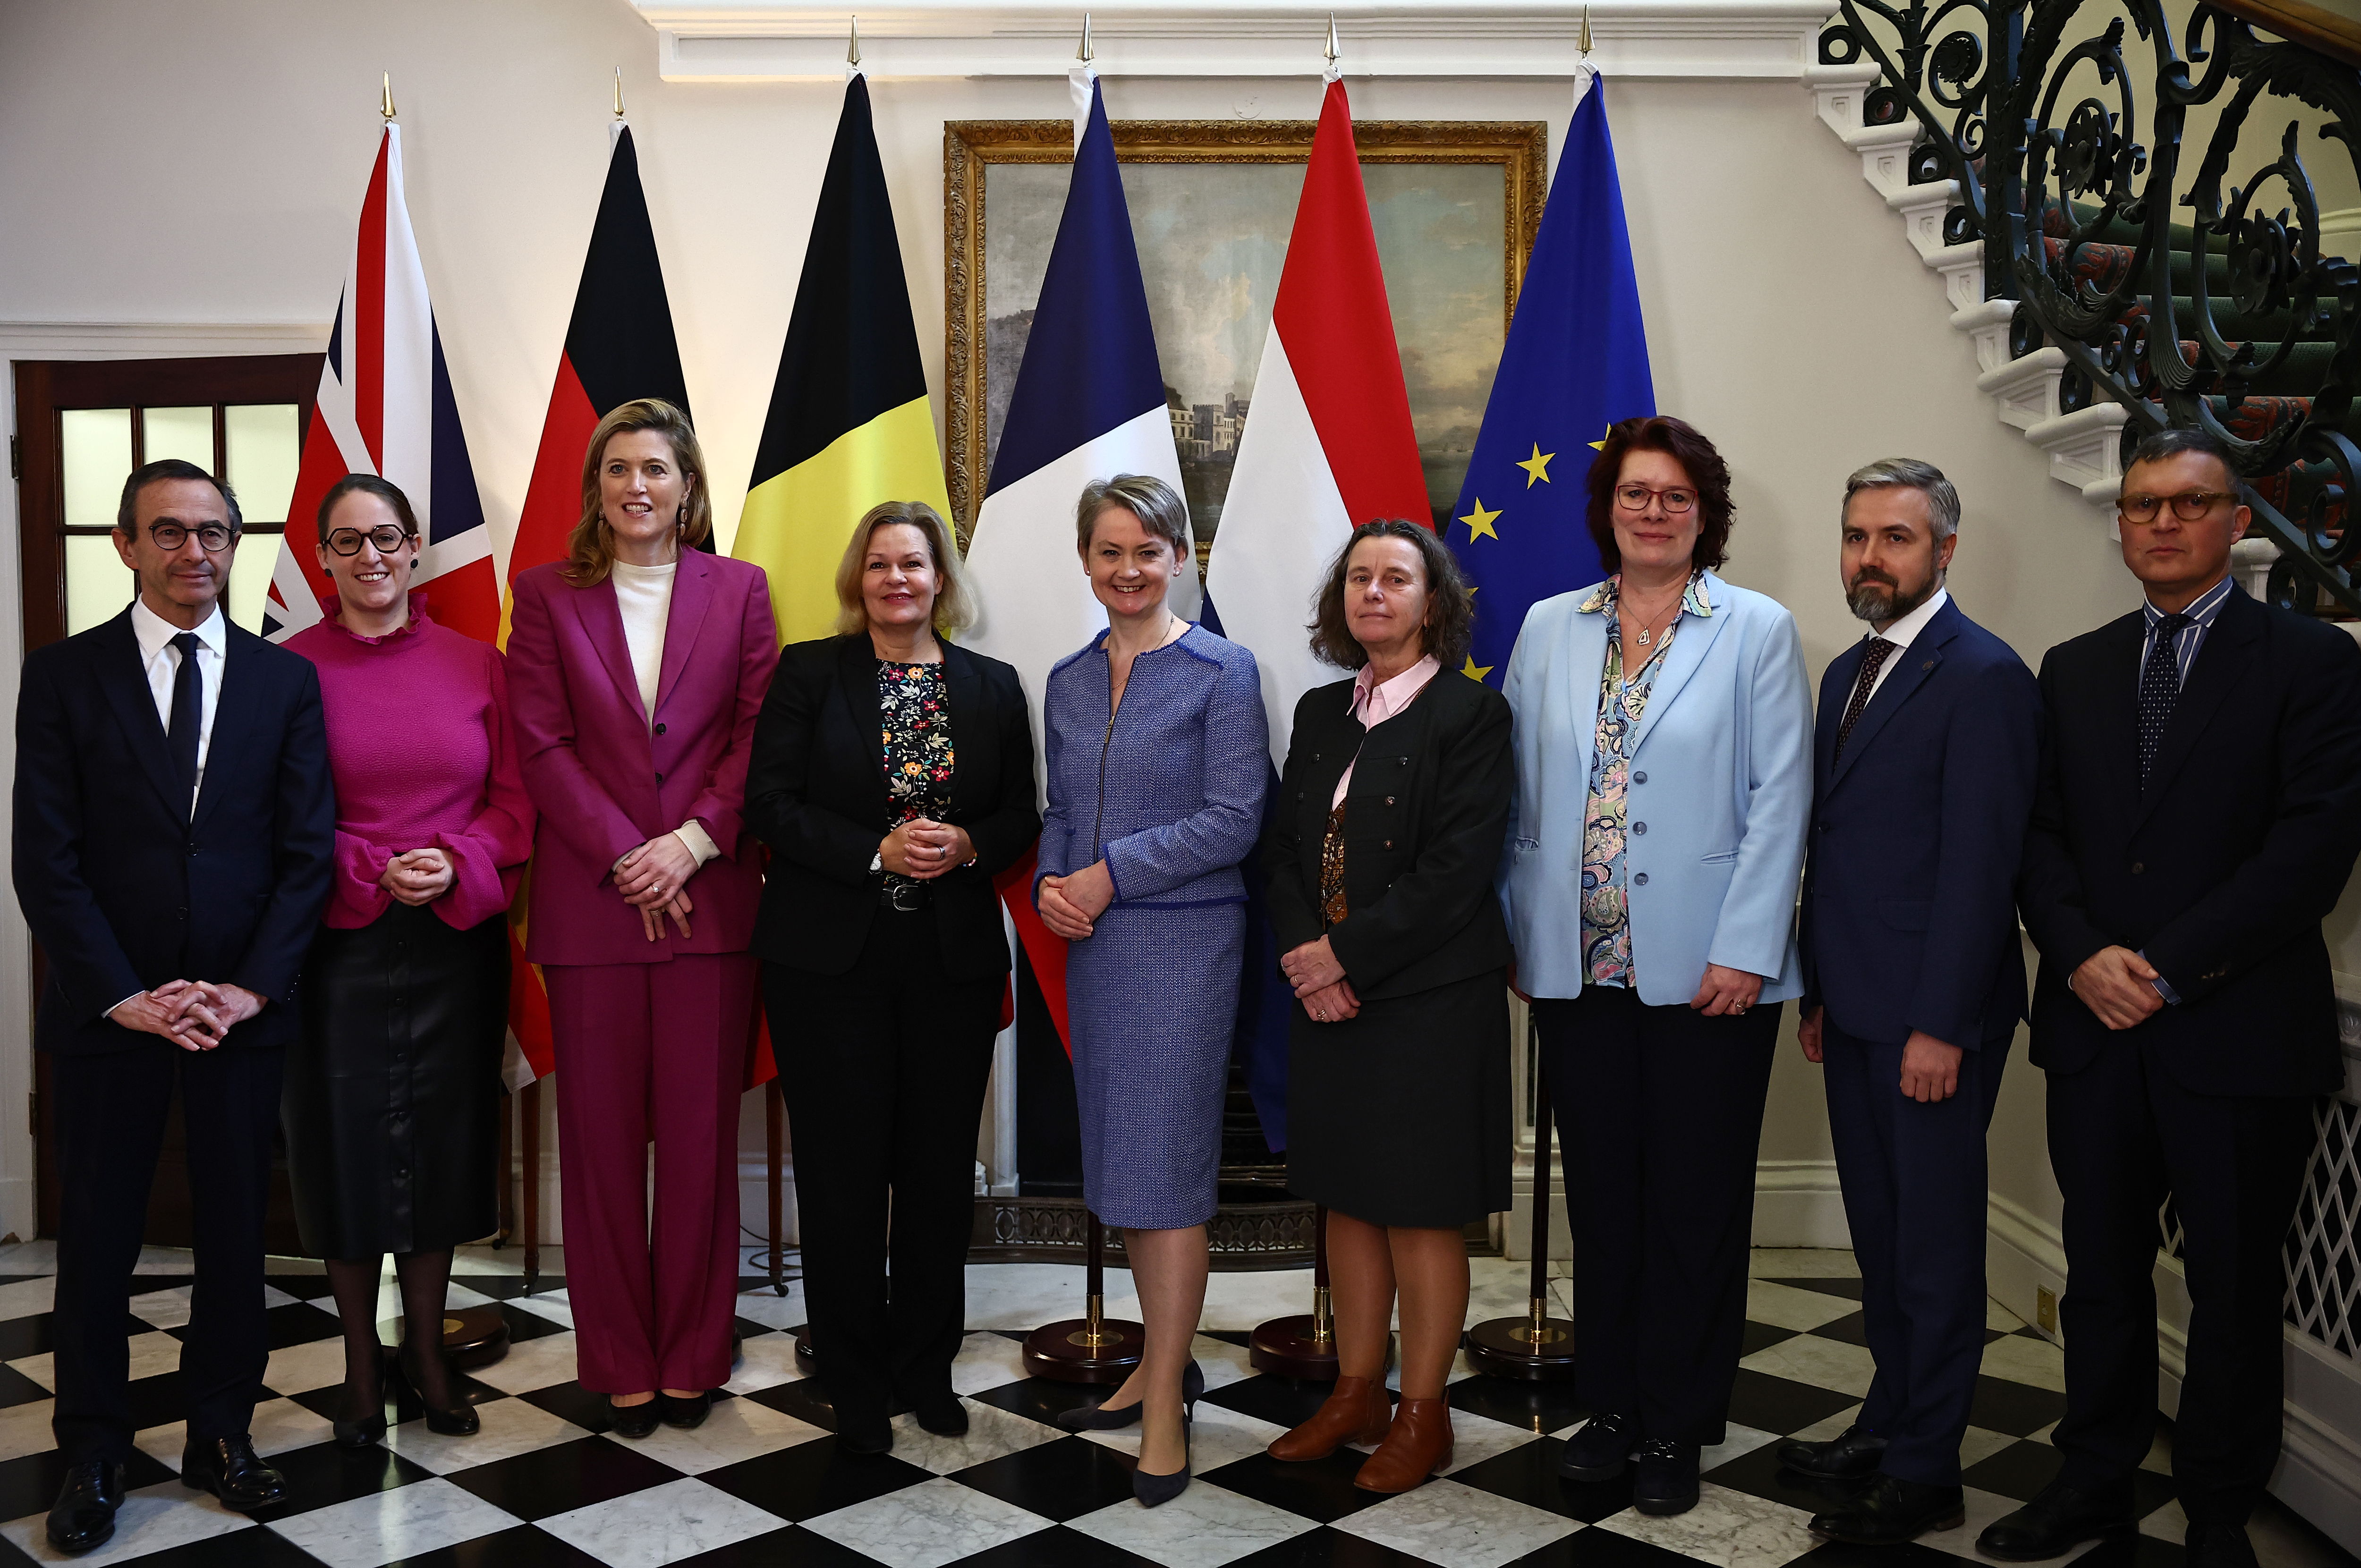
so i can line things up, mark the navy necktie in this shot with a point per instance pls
(2160, 688)
(188, 712)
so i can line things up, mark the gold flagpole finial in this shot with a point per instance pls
(852, 49)
(1332, 52)
(619, 92)
(1084, 53)
(385, 97)
(1586, 32)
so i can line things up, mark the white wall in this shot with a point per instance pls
(164, 162)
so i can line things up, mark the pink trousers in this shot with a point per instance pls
(650, 1053)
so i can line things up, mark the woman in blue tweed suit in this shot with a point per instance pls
(1158, 764)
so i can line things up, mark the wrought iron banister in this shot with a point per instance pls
(2188, 285)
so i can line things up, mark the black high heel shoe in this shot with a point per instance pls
(462, 1421)
(1155, 1490)
(369, 1430)
(1097, 1418)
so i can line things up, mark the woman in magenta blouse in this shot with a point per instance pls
(392, 1095)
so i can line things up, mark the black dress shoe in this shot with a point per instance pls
(460, 1421)
(1667, 1478)
(229, 1469)
(2210, 1546)
(1890, 1511)
(634, 1421)
(865, 1436)
(2058, 1521)
(82, 1518)
(1598, 1450)
(1155, 1491)
(1098, 1418)
(687, 1414)
(942, 1413)
(1846, 1458)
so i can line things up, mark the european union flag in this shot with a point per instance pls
(1575, 362)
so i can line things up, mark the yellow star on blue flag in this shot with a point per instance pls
(1479, 521)
(1536, 468)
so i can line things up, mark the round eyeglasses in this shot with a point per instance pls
(385, 541)
(214, 537)
(1634, 498)
(2188, 506)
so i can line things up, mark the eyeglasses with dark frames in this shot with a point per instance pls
(2188, 506)
(214, 537)
(386, 540)
(1634, 498)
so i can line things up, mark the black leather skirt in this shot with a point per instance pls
(393, 1091)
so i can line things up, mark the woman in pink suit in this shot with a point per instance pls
(637, 666)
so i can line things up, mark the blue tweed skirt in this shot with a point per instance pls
(1151, 1002)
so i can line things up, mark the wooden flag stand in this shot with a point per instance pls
(1536, 1347)
(1093, 1348)
(1301, 1346)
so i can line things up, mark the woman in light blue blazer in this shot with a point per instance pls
(1664, 775)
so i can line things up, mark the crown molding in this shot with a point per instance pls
(763, 40)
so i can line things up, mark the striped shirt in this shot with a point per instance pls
(2191, 637)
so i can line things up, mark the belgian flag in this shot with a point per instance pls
(849, 423)
(618, 346)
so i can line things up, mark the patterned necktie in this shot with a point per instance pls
(1872, 661)
(188, 706)
(2160, 688)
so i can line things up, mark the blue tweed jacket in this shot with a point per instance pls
(1170, 793)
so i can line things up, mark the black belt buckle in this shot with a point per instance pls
(905, 898)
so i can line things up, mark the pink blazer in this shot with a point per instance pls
(603, 784)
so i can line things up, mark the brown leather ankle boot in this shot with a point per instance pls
(1356, 1411)
(1418, 1444)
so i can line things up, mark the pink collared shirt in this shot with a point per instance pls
(1374, 702)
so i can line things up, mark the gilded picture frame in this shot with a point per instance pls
(1455, 205)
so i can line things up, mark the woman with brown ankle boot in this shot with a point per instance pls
(1381, 857)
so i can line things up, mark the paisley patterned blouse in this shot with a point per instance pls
(914, 711)
(1622, 700)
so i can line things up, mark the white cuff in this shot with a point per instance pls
(133, 997)
(692, 834)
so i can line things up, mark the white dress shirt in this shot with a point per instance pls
(1901, 632)
(162, 662)
(644, 594)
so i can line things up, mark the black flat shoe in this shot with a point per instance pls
(1666, 1482)
(82, 1518)
(1154, 1491)
(687, 1414)
(229, 1469)
(2210, 1546)
(1847, 1458)
(1597, 1453)
(1891, 1511)
(1098, 1418)
(863, 1436)
(2061, 1518)
(634, 1421)
(367, 1431)
(943, 1414)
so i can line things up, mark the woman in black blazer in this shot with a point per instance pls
(1381, 853)
(884, 955)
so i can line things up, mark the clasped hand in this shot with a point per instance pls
(923, 848)
(2118, 985)
(422, 876)
(194, 1014)
(653, 879)
(1070, 904)
(1320, 983)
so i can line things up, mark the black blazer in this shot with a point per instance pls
(123, 890)
(1424, 820)
(816, 795)
(1909, 910)
(2223, 870)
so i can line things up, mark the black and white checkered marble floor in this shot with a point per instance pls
(761, 1482)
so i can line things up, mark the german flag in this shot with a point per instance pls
(849, 424)
(618, 346)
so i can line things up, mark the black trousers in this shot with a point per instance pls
(2122, 1133)
(1662, 1113)
(110, 1122)
(1915, 1195)
(883, 1070)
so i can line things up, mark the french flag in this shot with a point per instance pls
(1330, 445)
(385, 408)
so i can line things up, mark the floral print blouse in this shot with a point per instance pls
(914, 711)
(1622, 700)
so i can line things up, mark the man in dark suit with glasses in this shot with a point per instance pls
(174, 832)
(2197, 814)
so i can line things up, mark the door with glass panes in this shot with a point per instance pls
(81, 427)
